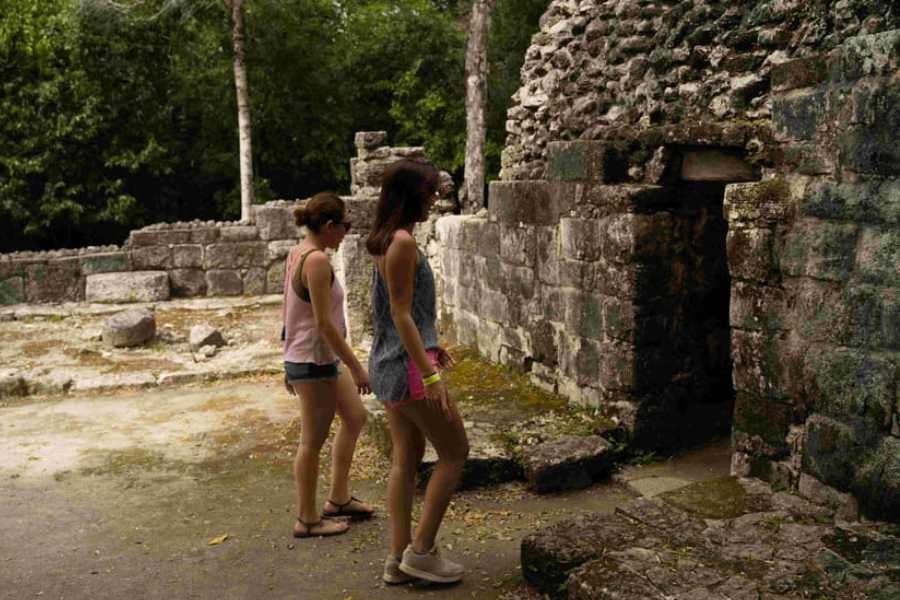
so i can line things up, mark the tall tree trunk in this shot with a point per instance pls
(476, 99)
(236, 9)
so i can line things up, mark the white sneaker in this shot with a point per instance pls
(430, 566)
(392, 573)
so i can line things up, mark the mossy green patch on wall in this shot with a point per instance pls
(12, 290)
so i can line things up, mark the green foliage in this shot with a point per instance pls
(119, 114)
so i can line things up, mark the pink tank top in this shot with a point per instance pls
(302, 342)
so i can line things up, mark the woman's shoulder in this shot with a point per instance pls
(403, 241)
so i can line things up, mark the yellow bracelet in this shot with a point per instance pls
(432, 379)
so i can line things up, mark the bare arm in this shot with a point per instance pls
(399, 272)
(318, 275)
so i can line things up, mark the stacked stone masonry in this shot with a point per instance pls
(598, 66)
(709, 270)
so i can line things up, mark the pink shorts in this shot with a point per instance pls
(414, 379)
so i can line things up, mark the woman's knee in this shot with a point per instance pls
(355, 422)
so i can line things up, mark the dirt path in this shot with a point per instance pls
(118, 496)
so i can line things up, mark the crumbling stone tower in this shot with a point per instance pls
(697, 228)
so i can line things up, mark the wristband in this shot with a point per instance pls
(432, 379)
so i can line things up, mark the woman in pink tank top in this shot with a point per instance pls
(314, 344)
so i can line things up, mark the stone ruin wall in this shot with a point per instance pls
(206, 258)
(597, 66)
(623, 229)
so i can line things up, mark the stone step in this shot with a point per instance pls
(770, 544)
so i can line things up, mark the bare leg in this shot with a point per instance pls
(408, 449)
(452, 446)
(353, 418)
(316, 413)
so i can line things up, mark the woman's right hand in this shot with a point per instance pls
(436, 395)
(361, 379)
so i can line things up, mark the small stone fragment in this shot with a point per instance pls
(205, 335)
(129, 328)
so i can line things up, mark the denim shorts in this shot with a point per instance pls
(306, 372)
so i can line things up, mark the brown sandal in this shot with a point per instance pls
(308, 532)
(344, 510)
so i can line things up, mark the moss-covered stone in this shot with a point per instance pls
(723, 498)
(862, 202)
(105, 263)
(834, 449)
(766, 419)
(12, 290)
(845, 382)
(877, 481)
(820, 249)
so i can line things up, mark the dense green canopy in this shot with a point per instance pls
(120, 113)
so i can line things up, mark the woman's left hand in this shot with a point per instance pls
(444, 360)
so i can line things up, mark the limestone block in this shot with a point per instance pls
(205, 335)
(487, 238)
(57, 280)
(517, 282)
(254, 282)
(147, 258)
(570, 462)
(620, 322)
(517, 244)
(871, 148)
(877, 482)
(137, 286)
(764, 203)
(761, 425)
(845, 505)
(12, 290)
(449, 230)
(603, 200)
(581, 239)
(360, 211)
(128, 328)
(276, 223)
(586, 161)
(757, 307)
(614, 279)
(819, 249)
(188, 282)
(798, 114)
(186, 256)
(857, 316)
(756, 371)
(369, 140)
(161, 237)
(224, 282)
(238, 233)
(878, 256)
(844, 381)
(493, 305)
(610, 365)
(275, 279)
(834, 449)
(583, 313)
(204, 235)
(279, 250)
(800, 73)
(715, 165)
(521, 202)
(236, 255)
(106, 262)
(875, 201)
(751, 254)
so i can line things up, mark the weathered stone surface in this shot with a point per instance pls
(224, 282)
(187, 282)
(239, 233)
(236, 255)
(279, 249)
(138, 286)
(129, 328)
(567, 463)
(205, 335)
(162, 237)
(820, 249)
(275, 279)
(148, 258)
(834, 448)
(106, 262)
(515, 202)
(187, 256)
(56, 280)
(715, 165)
(585, 161)
(254, 282)
(275, 223)
(12, 290)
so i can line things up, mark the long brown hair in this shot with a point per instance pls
(403, 200)
(318, 210)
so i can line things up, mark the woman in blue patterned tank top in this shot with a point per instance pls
(404, 369)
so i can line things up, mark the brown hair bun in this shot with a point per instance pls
(318, 210)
